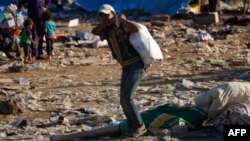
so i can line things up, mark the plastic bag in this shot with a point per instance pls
(145, 45)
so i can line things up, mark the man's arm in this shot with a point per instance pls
(132, 28)
(99, 28)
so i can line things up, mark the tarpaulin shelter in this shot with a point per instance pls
(169, 7)
(6, 2)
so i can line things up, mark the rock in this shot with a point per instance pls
(10, 107)
(160, 17)
(160, 23)
(217, 62)
(15, 68)
(19, 122)
(92, 121)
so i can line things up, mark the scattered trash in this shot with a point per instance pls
(82, 35)
(19, 122)
(182, 94)
(10, 107)
(197, 58)
(187, 83)
(15, 68)
(24, 81)
(204, 36)
(73, 23)
(180, 127)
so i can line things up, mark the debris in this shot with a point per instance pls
(17, 68)
(203, 19)
(10, 107)
(73, 23)
(82, 35)
(19, 122)
(24, 81)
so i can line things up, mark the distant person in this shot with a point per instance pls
(210, 6)
(204, 6)
(117, 30)
(214, 5)
(36, 9)
(60, 3)
(27, 40)
(10, 31)
(49, 29)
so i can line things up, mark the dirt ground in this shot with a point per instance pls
(181, 61)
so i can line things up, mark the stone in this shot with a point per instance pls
(10, 107)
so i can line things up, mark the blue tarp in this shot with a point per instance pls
(6, 2)
(3, 3)
(169, 7)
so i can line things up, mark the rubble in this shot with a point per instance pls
(79, 88)
(10, 106)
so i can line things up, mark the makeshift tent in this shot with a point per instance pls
(6, 2)
(169, 7)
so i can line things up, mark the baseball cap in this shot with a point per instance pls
(106, 9)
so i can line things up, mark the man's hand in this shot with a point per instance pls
(110, 21)
(122, 17)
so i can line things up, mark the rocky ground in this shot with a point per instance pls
(79, 88)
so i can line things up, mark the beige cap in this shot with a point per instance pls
(106, 9)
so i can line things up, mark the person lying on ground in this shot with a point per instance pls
(223, 96)
(212, 103)
(156, 120)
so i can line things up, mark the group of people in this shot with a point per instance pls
(31, 31)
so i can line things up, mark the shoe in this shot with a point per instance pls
(135, 133)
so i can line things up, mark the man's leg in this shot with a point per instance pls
(131, 78)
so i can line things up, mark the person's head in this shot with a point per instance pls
(106, 11)
(48, 15)
(28, 24)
